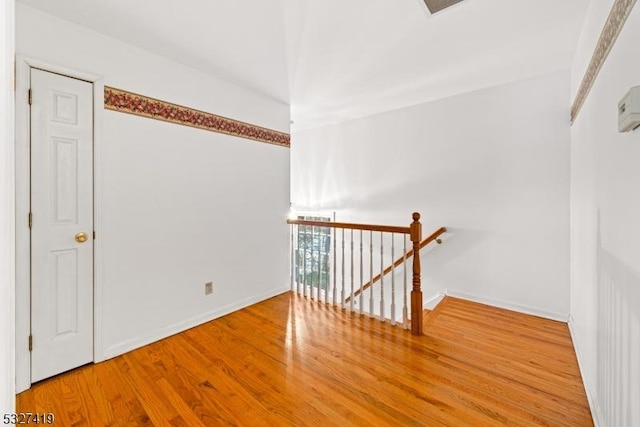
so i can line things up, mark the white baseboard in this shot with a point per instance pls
(596, 413)
(509, 306)
(430, 302)
(132, 344)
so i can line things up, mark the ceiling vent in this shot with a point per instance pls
(438, 5)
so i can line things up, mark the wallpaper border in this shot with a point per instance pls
(620, 11)
(144, 106)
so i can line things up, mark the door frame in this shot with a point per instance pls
(23, 196)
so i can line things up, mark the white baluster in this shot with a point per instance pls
(342, 280)
(292, 262)
(381, 277)
(393, 279)
(405, 310)
(298, 259)
(351, 293)
(304, 261)
(312, 264)
(335, 269)
(361, 275)
(319, 266)
(370, 273)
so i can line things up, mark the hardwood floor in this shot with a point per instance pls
(292, 362)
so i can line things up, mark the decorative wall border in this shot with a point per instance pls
(615, 22)
(139, 105)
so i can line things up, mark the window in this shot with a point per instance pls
(312, 254)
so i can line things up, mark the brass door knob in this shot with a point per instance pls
(81, 237)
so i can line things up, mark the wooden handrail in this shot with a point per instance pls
(352, 226)
(433, 236)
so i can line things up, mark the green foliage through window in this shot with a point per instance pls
(312, 254)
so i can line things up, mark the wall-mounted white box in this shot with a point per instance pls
(629, 110)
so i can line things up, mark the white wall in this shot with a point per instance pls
(178, 206)
(605, 230)
(7, 271)
(491, 165)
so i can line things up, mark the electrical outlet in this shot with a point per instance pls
(208, 288)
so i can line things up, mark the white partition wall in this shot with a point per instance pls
(605, 230)
(490, 165)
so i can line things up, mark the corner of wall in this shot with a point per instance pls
(588, 382)
(431, 301)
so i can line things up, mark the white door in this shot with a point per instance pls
(62, 223)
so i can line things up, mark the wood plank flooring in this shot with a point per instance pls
(292, 362)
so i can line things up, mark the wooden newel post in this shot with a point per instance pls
(416, 292)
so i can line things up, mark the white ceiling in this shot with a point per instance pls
(335, 60)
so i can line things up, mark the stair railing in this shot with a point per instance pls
(314, 244)
(433, 237)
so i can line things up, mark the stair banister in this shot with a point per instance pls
(414, 231)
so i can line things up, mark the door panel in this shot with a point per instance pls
(62, 207)
(65, 181)
(65, 292)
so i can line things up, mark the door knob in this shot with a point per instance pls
(81, 237)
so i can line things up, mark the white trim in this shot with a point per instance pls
(132, 344)
(510, 306)
(98, 221)
(429, 303)
(23, 309)
(587, 381)
(60, 69)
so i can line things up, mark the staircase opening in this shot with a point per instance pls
(336, 263)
